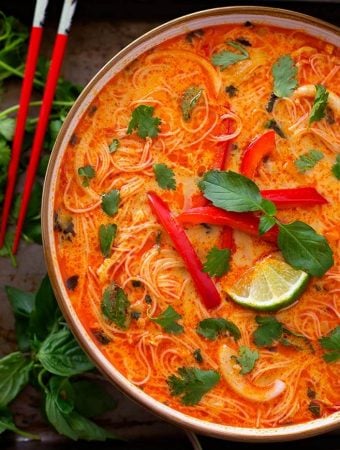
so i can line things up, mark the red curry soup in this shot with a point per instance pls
(197, 224)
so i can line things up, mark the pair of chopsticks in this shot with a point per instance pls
(26, 90)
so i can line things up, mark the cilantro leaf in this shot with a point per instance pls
(192, 384)
(107, 234)
(320, 103)
(7, 126)
(213, 327)
(115, 144)
(336, 168)
(189, 100)
(165, 177)
(308, 160)
(247, 359)
(231, 191)
(142, 121)
(110, 202)
(87, 172)
(226, 58)
(115, 306)
(331, 342)
(284, 73)
(217, 263)
(268, 332)
(303, 248)
(266, 223)
(168, 321)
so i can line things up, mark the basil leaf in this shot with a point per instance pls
(91, 399)
(284, 73)
(320, 104)
(57, 418)
(107, 234)
(331, 342)
(7, 126)
(62, 392)
(192, 384)
(189, 100)
(168, 320)
(87, 172)
(115, 305)
(88, 430)
(142, 121)
(266, 223)
(247, 359)
(7, 423)
(217, 263)
(213, 327)
(61, 355)
(115, 144)
(268, 332)
(110, 202)
(231, 191)
(165, 177)
(45, 312)
(225, 58)
(304, 249)
(14, 374)
(308, 160)
(22, 304)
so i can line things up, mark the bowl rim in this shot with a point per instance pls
(287, 432)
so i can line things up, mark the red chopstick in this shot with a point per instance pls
(51, 84)
(26, 90)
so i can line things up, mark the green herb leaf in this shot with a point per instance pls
(57, 418)
(336, 168)
(63, 393)
(331, 342)
(189, 100)
(217, 263)
(168, 321)
(6, 250)
(268, 332)
(192, 384)
(14, 374)
(165, 177)
(87, 172)
(268, 207)
(110, 202)
(115, 144)
(303, 248)
(284, 73)
(231, 191)
(61, 355)
(266, 223)
(22, 304)
(107, 234)
(213, 327)
(7, 423)
(91, 399)
(320, 104)
(247, 359)
(115, 305)
(7, 127)
(308, 160)
(143, 122)
(226, 58)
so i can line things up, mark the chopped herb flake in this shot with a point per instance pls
(115, 144)
(336, 168)
(247, 359)
(198, 355)
(87, 172)
(190, 99)
(272, 124)
(308, 160)
(231, 90)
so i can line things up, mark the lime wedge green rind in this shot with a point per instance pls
(270, 285)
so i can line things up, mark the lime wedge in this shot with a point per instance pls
(270, 285)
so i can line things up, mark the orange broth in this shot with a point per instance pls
(142, 251)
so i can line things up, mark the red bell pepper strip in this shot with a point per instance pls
(293, 198)
(224, 148)
(246, 222)
(226, 238)
(259, 148)
(204, 284)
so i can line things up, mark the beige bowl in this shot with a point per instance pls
(270, 16)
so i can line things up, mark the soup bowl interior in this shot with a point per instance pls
(270, 16)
